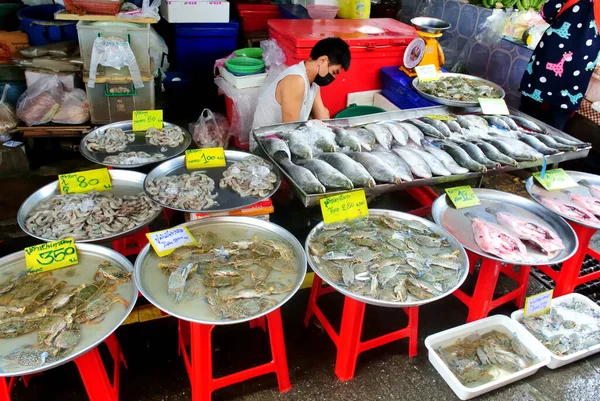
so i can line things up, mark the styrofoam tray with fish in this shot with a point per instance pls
(499, 92)
(500, 323)
(153, 283)
(575, 198)
(459, 223)
(226, 198)
(453, 246)
(557, 361)
(140, 144)
(90, 256)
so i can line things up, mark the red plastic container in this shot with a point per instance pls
(97, 7)
(255, 17)
(374, 43)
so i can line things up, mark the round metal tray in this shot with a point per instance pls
(124, 183)
(228, 199)
(534, 189)
(378, 302)
(456, 103)
(459, 225)
(152, 283)
(90, 256)
(139, 145)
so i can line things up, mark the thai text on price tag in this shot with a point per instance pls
(538, 304)
(85, 181)
(427, 72)
(146, 119)
(347, 206)
(462, 196)
(50, 256)
(166, 241)
(440, 117)
(493, 106)
(207, 157)
(555, 179)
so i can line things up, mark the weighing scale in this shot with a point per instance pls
(426, 49)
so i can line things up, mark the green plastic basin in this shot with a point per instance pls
(357, 111)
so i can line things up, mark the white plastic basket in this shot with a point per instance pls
(243, 82)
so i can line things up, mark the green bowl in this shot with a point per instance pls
(244, 65)
(250, 52)
(357, 111)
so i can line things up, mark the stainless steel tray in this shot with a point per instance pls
(90, 256)
(457, 103)
(124, 183)
(139, 145)
(391, 304)
(535, 189)
(152, 283)
(459, 225)
(313, 199)
(228, 199)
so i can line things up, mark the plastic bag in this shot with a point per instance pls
(38, 104)
(116, 53)
(211, 130)
(221, 62)
(274, 58)
(58, 50)
(149, 10)
(8, 119)
(159, 52)
(491, 31)
(50, 64)
(74, 108)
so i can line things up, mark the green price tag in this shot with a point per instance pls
(462, 196)
(555, 180)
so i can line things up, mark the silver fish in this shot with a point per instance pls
(551, 143)
(399, 166)
(418, 166)
(509, 151)
(537, 144)
(453, 126)
(414, 133)
(494, 154)
(274, 145)
(437, 124)
(528, 124)
(298, 145)
(398, 132)
(497, 121)
(345, 140)
(303, 177)
(327, 175)
(510, 122)
(359, 176)
(378, 169)
(478, 121)
(477, 154)
(426, 129)
(445, 158)
(461, 157)
(382, 134)
(366, 138)
(464, 122)
(324, 142)
(435, 165)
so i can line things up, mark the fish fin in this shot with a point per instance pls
(490, 211)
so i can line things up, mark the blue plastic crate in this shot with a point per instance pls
(197, 46)
(14, 92)
(293, 11)
(396, 86)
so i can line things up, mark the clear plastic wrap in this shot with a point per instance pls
(211, 130)
(40, 102)
(50, 64)
(58, 50)
(74, 108)
(493, 28)
(149, 10)
(8, 119)
(274, 59)
(116, 53)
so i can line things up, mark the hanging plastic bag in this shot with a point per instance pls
(38, 104)
(274, 58)
(8, 119)
(74, 108)
(493, 28)
(116, 53)
(149, 10)
(211, 130)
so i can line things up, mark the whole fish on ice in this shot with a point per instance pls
(418, 166)
(435, 165)
(399, 133)
(326, 174)
(445, 158)
(382, 134)
(414, 133)
(355, 172)
(378, 169)
(397, 164)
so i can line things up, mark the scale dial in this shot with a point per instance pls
(414, 53)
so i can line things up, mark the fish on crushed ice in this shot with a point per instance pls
(418, 166)
(326, 174)
(378, 169)
(359, 176)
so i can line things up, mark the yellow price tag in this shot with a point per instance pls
(166, 241)
(427, 72)
(538, 304)
(347, 206)
(50, 256)
(207, 157)
(493, 106)
(85, 181)
(441, 117)
(146, 119)
(462, 197)
(555, 179)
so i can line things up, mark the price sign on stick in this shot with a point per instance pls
(493, 106)
(538, 304)
(427, 72)
(555, 179)
(166, 241)
(146, 119)
(85, 181)
(203, 158)
(347, 206)
(50, 256)
(462, 197)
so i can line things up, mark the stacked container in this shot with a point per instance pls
(114, 95)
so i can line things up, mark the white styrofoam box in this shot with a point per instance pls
(177, 11)
(68, 80)
(499, 323)
(243, 82)
(364, 98)
(381, 101)
(557, 361)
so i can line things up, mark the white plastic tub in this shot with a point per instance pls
(243, 82)
(557, 361)
(499, 323)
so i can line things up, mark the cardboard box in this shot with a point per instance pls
(177, 11)
(10, 43)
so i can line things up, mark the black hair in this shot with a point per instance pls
(335, 49)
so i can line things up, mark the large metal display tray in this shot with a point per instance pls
(458, 103)
(313, 199)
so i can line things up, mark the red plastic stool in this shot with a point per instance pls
(348, 342)
(132, 244)
(425, 196)
(567, 278)
(199, 368)
(481, 302)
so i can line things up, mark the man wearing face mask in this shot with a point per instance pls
(294, 95)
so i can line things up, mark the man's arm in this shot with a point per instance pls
(319, 111)
(289, 94)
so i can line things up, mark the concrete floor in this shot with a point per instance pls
(157, 373)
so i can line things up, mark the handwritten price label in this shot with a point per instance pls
(427, 72)
(493, 106)
(347, 206)
(85, 181)
(166, 241)
(538, 304)
(555, 179)
(50, 256)
(146, 119)
(207, 157)
(462, 196)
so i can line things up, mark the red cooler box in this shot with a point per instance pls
(374, 43)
